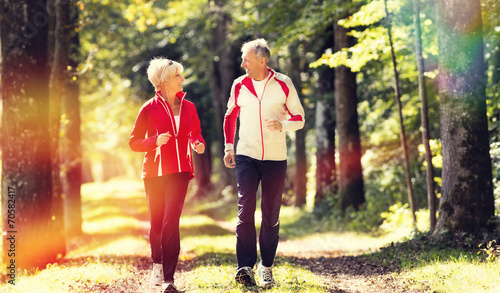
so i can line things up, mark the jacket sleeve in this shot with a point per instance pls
(196, 129)
(230, 119)
(138, 141)
(294, 109)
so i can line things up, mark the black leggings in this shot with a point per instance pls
(166, 195)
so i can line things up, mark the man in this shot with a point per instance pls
(267, 105)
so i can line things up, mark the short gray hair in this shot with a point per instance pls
(160, 69)
(259, 46)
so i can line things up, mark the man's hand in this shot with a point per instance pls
(199, 147)
(273, 124)
(163, 138)
(229, 160)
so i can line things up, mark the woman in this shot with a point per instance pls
(166, 127)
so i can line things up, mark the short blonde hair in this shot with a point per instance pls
(260, 48)
(161, 69)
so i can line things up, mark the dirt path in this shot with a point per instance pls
(340, 271)
(341, 274)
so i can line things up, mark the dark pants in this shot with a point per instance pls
(271, 174)
(166, 195)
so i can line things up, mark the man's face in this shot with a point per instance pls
(252, 64)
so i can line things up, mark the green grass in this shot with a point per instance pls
(441, 265)
(219, 278)
(461, 275)
(114, 250)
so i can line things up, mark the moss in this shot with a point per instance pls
(446, 209)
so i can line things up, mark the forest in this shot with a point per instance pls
(402, 101)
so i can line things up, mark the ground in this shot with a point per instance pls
(341, 273)
(113, 254)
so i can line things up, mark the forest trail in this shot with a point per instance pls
(113, 254)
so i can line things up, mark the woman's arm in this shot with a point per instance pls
(138, 141)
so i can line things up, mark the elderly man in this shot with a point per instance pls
(267, 105)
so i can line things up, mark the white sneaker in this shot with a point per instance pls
(266, 276)
(157, 274)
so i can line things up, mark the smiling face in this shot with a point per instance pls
(256, 68)
(174, 83)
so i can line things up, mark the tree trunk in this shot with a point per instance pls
(351, 190)
(431, 196)
(57, 83)
(397, 94)
(326, 173)
(203, 170)
(224, 71)
(26, 148)
(467, 201)
(300, 180)
(300, 186)
(71, 149)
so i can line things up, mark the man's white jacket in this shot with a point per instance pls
(279, 100)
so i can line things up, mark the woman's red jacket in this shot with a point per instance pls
(156, 117)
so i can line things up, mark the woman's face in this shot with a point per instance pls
(174, 82)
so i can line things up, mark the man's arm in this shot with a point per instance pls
(294, 109)
(230, 119)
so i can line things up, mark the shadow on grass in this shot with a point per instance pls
(102, 208)
(423, 248)
(205, 229)
(137, 261)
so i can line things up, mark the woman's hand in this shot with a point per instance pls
(199, 147)
(163, 138)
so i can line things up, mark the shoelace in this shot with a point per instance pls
(267, 275)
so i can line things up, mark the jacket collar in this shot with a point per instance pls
(180, 95)
(247, 81)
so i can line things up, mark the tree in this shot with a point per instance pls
(326, 171)
(71, 149)
(57, 83)
(300, 180)
(467, 201)
(424, 113)
(351, 190)
(26, 148)
(224, 71)
(397, 94)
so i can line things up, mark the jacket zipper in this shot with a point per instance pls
(172, 121)
(176, 140)
(260, 117)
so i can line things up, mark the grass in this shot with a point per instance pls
(440, 265)
(457, 276)
(113, 253)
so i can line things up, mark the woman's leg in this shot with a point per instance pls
(155, 190)
(174, 195)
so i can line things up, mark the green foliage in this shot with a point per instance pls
(495, 159)
(125, 35)
(491, 251)
(399, 220)
(371, 43)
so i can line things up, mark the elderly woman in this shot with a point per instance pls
(166, 127)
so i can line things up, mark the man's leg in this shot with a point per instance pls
(273, 181)
(248, 178)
